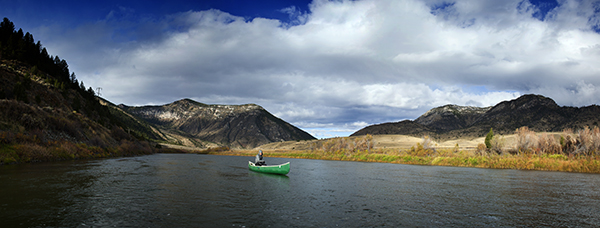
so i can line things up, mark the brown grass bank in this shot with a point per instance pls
(568, 151)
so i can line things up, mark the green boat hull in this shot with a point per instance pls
(282, 169)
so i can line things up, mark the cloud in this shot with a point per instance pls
(297, 17)
(345, 62)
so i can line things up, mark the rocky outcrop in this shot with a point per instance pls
(450, 117)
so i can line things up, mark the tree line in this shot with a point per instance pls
(16, 45)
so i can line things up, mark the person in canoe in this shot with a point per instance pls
(259, 159)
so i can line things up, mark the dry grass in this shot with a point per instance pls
(526, 140)
(445, 157)
(531, 151)
(566, 151)
(23, 148)
(401, 142)
(588, 141)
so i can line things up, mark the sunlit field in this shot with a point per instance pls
(569, 151)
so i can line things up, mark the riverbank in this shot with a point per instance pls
(28, 152)
(567, 151)
(25, 153)
(12, 154)
(19, 153)
(556, 162)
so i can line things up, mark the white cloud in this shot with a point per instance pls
(297, 17)
(348, 61)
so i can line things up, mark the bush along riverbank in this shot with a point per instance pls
(583, 164)
(23, 148)
(570, 152)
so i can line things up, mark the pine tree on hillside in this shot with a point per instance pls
(488, 139)
(17, 45)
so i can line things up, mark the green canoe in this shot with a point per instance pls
(282, 169)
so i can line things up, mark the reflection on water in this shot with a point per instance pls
(203, 190)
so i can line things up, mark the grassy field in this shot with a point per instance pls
(424, 151)
(447, 157)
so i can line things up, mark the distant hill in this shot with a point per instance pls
(537, 112)
(236, 126)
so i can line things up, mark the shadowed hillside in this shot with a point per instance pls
(236, 126)
(539, 113)
(47, 114)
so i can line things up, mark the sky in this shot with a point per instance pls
(327, 67)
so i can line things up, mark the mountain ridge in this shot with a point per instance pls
(235, 126)
(537, 112)
(463, 116)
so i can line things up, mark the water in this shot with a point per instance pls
(184, 190)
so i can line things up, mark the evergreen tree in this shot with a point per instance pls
(73, 78)
(7, 28)
(488, 139)
(21, 46)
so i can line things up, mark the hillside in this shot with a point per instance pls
(43, 104)
(48, 123)
(539, 113)
(195, 124)
(47, 114)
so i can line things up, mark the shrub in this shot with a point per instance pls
(497, 144)
(342, 145)
(8, 155)
(558, 156)
(526, 140)
(119, 134)
(32, 153)
(548, 144)
(97, 141)
(7, 137)
(589, 141)
(417, 151)
(366, 143)
(422, 149)
(481, 149)
(427, 143)
(568, 141)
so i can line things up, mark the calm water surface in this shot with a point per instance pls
(175, 190)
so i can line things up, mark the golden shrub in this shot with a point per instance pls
(526, 140)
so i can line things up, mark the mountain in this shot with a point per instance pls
(450, 117)
(45, 109)
(236, 126)
(537, 112)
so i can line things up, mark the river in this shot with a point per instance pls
(188, 190)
